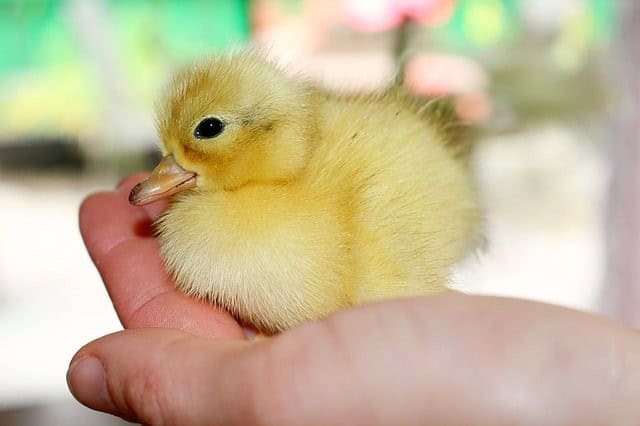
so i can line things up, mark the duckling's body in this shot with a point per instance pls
(378, 207)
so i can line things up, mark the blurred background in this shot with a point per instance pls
(549, 83)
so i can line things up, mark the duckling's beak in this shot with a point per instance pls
(165, 180)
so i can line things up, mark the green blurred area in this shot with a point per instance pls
(36, 33)
(43, 61)
(481, 24)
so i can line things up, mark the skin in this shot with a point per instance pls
(450, 359)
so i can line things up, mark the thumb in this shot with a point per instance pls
(161, 376)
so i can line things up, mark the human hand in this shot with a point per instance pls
(444, 360)
(119, 238)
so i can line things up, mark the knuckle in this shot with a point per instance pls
(145, 396)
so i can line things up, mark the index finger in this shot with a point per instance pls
(120, 240)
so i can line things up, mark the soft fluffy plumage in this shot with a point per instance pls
(309, 201)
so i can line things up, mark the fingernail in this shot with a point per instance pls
(86, 380)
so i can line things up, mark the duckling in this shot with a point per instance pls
(289, 201)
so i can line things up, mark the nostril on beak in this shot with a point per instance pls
(133, 195)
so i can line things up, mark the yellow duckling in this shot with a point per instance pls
(295, 202)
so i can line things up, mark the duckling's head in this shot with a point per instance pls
(229, 122)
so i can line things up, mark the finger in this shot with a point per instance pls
(145, 296)
(156, 376)
(107, 221)
(119, 239)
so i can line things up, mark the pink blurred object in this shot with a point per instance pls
(444, 74)
(437, 75)
(474, 107)
(382, 15)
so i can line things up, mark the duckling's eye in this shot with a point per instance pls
(208, 128)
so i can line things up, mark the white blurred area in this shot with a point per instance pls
(543, 189)
(543, 192)
(51, 298)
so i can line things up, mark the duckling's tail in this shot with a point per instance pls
(457, 135)
(440, 112)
